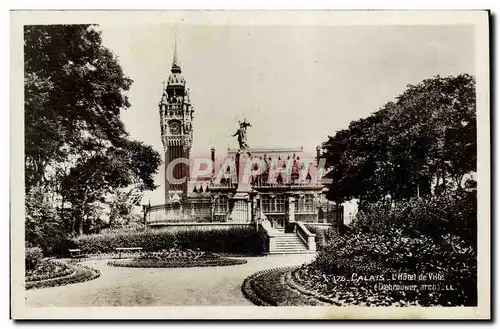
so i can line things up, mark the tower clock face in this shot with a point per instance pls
(175, 128)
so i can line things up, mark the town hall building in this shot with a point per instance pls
(282, 206)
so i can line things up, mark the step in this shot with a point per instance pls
(295, 248)
(279, 252)
(288, 239)
(291, 247)
(290, 244)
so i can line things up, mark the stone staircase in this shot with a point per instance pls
(288, 243)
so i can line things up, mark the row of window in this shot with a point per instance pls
(272, 205)
(278, 204)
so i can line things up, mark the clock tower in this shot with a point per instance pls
(176, 118)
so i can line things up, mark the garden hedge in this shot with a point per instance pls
(232, 241)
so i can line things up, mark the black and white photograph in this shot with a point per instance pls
(241, 164)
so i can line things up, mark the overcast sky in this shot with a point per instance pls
(295, 84)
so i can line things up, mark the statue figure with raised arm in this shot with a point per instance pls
(242, 134)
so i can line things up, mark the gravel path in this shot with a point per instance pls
(121, 286)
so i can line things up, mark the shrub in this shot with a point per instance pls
(235, 240)
(323, 236)
(395, 251)
(454, 213)
(42, 227)
(61, 247)
(33, 257)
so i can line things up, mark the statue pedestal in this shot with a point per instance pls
(242, 203)
(242, 211)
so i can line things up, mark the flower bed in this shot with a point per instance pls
(48, 270)
(249, 291)
(150, 263)
(178, 258)
(79, 274)
(268, 288)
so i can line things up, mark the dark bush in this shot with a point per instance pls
(454, 213)
(394, 251)
(42, 227)
(236, 240)
(33, 257)
(61, 248)
(417, 236)
(323, 235)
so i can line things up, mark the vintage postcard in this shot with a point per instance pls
(250, 165)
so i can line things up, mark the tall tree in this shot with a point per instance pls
(427, 137)
(95, 178)
(74, 92)
(76, 147)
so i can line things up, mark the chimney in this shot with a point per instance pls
(212, 156)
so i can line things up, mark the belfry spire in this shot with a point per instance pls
(176, 123)
(175, 62)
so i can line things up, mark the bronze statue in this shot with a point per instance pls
(242, 134)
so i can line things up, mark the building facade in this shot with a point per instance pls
(294, 195)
